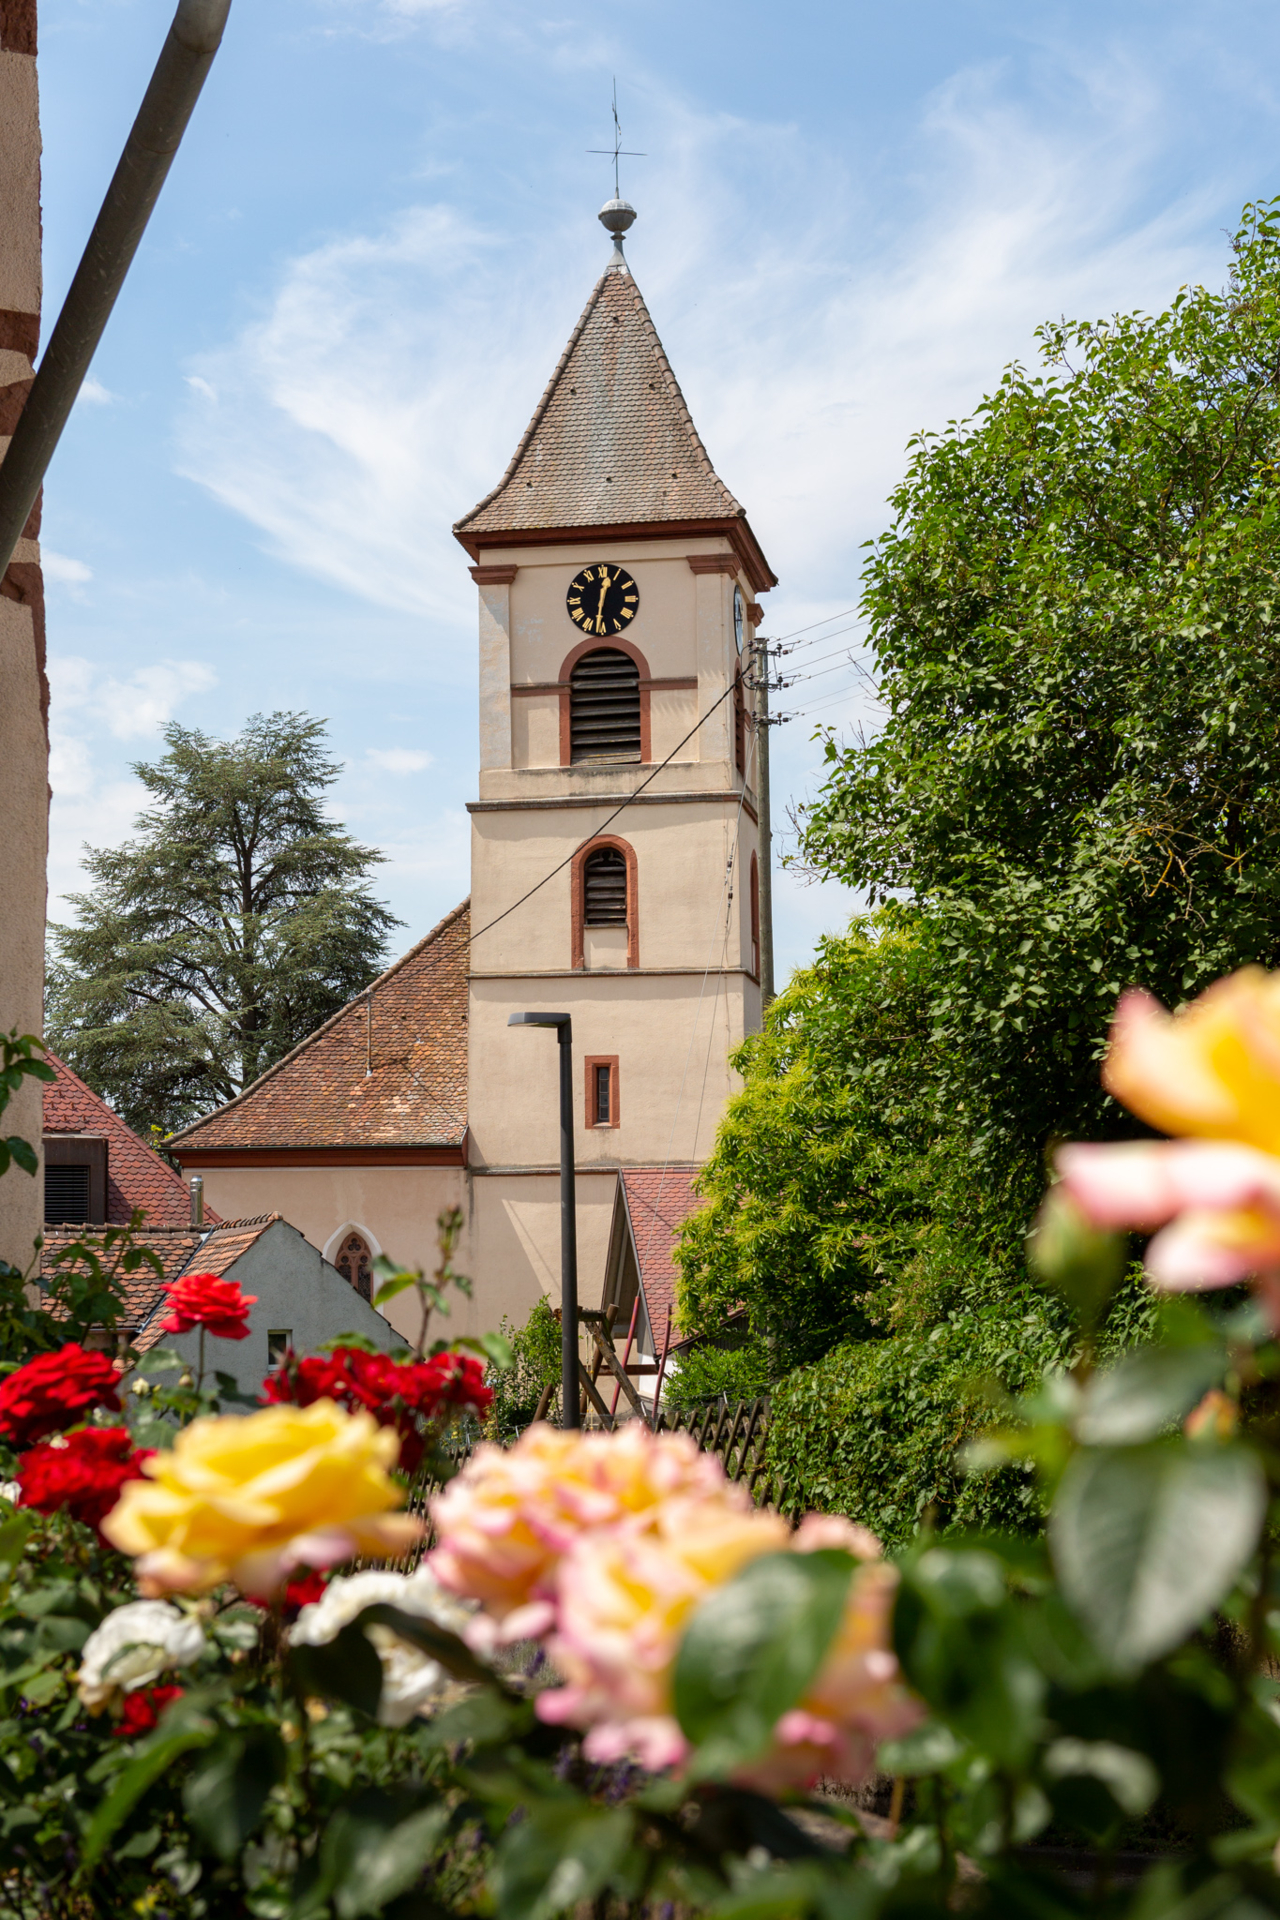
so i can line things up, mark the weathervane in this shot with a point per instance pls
(617, 148)
(617, 215)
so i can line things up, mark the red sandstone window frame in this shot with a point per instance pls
(577, 895)
(592, 1062)
(570, 661)
(755, 917)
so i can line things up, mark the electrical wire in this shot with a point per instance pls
(843, 614)
(596, 831)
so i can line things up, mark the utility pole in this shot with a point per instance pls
(766, 831)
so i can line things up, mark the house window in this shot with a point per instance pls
(602, 1090)
(355, 1264)
(604, 888)
(66, 1195)
(604, 709)
(755, 916)
(279, 1341)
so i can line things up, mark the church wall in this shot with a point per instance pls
(681, 853)
(24, 754)
(396, 1209)
(517, 1237)
(657, 1025)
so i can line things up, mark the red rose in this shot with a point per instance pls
(141, 1710)
(82, 1474)
(203, 1300)
(54, 1391)
(404, 1394)
(302, 1591)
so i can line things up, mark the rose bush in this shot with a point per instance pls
(55, 1390)
(415, 1397)
(704, 1678)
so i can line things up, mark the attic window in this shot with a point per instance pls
(66, 1195)
(604, 708)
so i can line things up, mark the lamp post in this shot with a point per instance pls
(568, 1216)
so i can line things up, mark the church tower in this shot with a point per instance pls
(613, 839)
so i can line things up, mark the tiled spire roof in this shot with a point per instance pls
(400, 1080)
(612, 441)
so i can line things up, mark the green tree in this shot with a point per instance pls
(235, 922)
(1075, 619)
(842, 1198)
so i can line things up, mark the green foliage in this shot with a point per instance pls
(535, 1365)
(842, 1197)
(710, 1372)
(879, 1429)
(1074, 621)
(236, 922)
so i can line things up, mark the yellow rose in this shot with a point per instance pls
(248, 1497)
(1211, 1071)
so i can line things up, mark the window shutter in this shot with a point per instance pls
(66, 1195)
(604, 889)
(604, 708)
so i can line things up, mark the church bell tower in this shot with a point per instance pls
(614, 834)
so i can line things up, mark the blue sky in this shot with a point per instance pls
(375, 242)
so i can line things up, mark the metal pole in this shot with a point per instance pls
(766, 831)
(569, 1391)
(162, 119)
(569, 1387)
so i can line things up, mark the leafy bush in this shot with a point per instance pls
(535, 1365)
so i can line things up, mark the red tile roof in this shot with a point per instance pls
(136, 1175)
(389, 1069)
(659, 1200)
(180, 1249)
(612, 440)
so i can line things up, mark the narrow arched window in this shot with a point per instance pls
(604, 888)
(355, 1264)
(604, 708)
(755, 916)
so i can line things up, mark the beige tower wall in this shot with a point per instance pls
(673, 1016)
(24, 751)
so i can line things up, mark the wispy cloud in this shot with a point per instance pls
(93, 394)
(60, 567)
(398, 760)
(88, 709)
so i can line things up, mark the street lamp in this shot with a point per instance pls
(568, 1217)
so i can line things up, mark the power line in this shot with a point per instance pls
(845, 611)
(596, 831)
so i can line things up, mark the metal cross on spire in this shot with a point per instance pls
(617, 149)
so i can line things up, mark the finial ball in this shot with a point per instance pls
(615, 216)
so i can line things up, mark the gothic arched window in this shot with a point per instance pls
(355, 1264)
(604, 708)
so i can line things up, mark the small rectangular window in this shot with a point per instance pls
(602, 1090)
(66, 1195)
(279, 1341)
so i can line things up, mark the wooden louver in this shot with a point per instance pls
(604, 708)
(604, 889)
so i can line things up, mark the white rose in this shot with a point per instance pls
(11, 1490)
(411, 1680)
(133, 1647)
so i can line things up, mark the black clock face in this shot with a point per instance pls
(602, 599)
(738, 616)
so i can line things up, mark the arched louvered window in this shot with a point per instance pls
(604, 709)
(355, 1264)
(604, 889)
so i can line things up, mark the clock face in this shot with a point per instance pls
(739, 615)
(602, 599)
